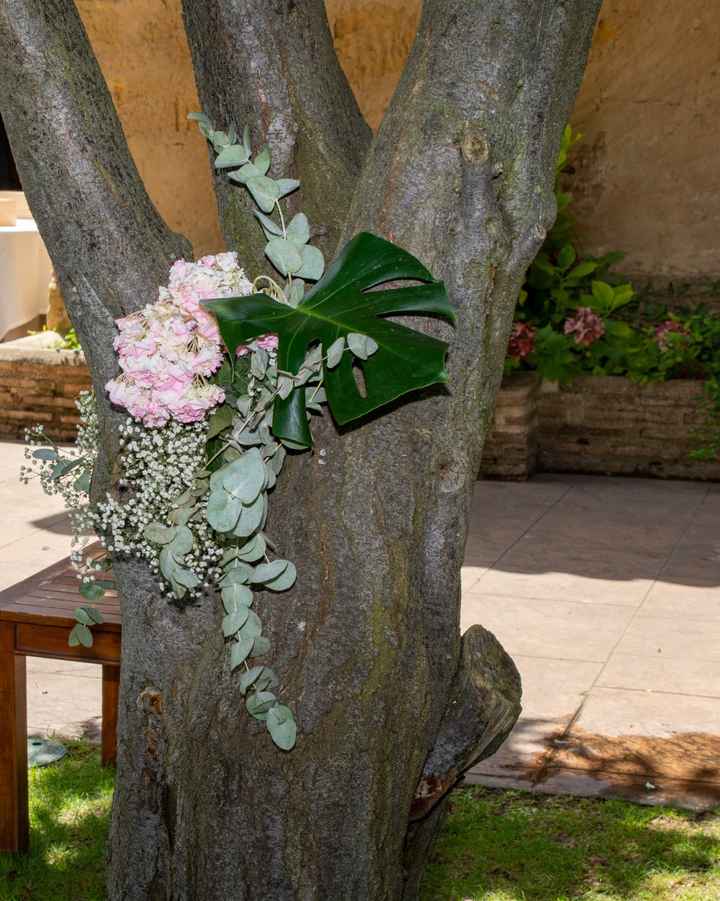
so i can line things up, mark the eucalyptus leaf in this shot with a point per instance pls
(249, 677)
(230, 156)
(251, 517)
(262, 161)
(287, 186)
(233, 621)
(313, 263)
(239, 652)
(361, 345)
(182, 541)
(284, 256)
(220, 420)
(245, 173)
(266, 572)
(269, 225)
(235, 595)
(82, 616)
(297, 292)
(223, 510)
(335, 352)
(244, 478)
(285, 580)
(259, 702)
(158, 533)
(282, 727)
(252, 627)
(91, 590)
(80, 634)
(264, 191)
(261, 646)
(94, 614)
(298, 230)
(45, 453)
(253, 550)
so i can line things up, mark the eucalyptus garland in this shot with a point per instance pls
(221, 377)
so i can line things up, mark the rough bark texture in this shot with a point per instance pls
(272, 66)
(368, 644)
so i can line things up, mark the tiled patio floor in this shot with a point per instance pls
(605, 591)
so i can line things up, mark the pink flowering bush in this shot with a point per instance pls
(522, 340)
(585, 325)
(169, 350)
(665, 329)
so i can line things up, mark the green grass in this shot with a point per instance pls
(495, 846)
(513, 846)
(69, 815)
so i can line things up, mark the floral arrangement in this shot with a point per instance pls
(219, 381)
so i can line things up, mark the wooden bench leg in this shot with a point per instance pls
(110, 697)
(14, 822)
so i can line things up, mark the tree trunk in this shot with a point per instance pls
(392, 704)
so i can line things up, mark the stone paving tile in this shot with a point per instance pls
(62, 703)
(677, 637)
(662, 674)
(547, 628)
(686, 601)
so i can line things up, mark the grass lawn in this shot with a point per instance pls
(495, 846)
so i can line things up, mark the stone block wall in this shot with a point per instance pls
(599, 425)
(40, 388)
(511, 450)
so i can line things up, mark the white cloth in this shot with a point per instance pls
(25, 270)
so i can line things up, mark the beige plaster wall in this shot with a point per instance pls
(648, 171)
(647, 177)
(143, 52)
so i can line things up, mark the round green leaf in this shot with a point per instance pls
(282, 726)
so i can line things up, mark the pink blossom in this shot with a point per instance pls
(665, 329)
(522, 341)
(585, 325)
(168, 349)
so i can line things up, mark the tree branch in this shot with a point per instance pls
(272, 65)
(107, 241)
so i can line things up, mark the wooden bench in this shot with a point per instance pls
(36, 616)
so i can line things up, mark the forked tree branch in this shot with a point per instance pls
(107, 241)
(272, 65)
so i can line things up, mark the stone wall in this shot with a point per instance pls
(39, 387)
(597, 424)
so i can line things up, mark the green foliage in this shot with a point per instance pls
(560, 285)
(341, 313)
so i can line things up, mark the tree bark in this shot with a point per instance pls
(272, 66)
(392, 705)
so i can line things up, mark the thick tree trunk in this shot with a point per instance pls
(392, 705)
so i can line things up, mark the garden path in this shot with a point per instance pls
(606, 592)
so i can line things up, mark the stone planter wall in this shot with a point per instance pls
(598, 424)
(39, 387)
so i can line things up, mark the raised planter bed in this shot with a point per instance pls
(39, 386)
(597, 424)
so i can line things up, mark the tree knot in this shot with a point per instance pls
(474, 146)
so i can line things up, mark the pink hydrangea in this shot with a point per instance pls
(522, 341)
(665, 329)
(585, 325)
(168, 350)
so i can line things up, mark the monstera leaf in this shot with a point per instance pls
(338, 306)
